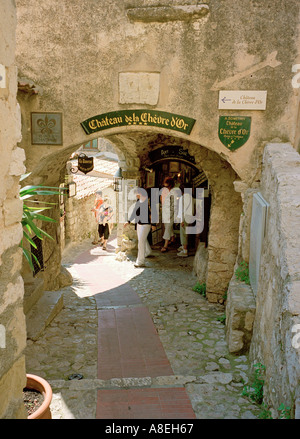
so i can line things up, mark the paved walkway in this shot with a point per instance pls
(145, 344)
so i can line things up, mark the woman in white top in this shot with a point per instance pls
(185, 212)
(168, 207)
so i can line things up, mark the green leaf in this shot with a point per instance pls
(46, 234)
(25, 225)
(30, 188)
(242, 272)
(200, 288)
(32, 191)
(27, 255)
(44, 218)
(29, 239)
(32, 212)
(39, 210)
(35, 229)
(36, 259)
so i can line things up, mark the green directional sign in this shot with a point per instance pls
(234, 131)
(144, 117)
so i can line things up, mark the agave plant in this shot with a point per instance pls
(32, 209)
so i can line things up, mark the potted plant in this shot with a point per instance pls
(42, 386)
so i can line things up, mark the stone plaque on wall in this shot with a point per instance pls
(139, 88)
(257, 233)
(46, 128)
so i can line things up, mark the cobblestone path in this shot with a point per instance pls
(190, 330)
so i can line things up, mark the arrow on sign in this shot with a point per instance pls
(270, 61)
(224, 99)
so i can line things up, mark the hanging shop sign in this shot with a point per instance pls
(234, 131)
(85, 163)
(174, 152)
(138, 118)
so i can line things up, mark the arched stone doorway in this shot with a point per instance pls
(226, 204)
(134, 149)
(123, 59)
(175, 161)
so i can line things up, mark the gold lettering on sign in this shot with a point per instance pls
(138, 117)
(223, 131)
(105, 122)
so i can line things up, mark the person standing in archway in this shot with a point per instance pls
(97, 203)
(105, 214)
(141, 215)
(168, 207)
(185, 210)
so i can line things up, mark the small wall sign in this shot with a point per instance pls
(199, 179)
(242, 100)
(234, 131)
(2, 76)
(46, 129)
(150, 179)
(138, 118)
(174, 152)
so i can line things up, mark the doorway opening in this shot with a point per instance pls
(185, 172)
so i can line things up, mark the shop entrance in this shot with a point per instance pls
(183, 171)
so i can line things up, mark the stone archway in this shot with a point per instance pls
(226, 204)
(50, 170)
(124, 59)
(133, 148)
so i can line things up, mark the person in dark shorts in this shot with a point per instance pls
(105, 214)
(97, 203)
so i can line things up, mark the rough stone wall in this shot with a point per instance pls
(80, 221)
(223, 238)
(240, 314)
(275, 342)
(200, 263)
(89, 47)
(226, 206)
(12, 320)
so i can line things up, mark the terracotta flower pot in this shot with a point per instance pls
(37, 383)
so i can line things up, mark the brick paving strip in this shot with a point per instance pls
(129, 347)
(192, 358)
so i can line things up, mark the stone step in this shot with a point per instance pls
(33, 291)
(43, 312)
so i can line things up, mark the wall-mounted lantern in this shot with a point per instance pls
(118, 180)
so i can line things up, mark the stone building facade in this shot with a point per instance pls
(79, 220)
(173, 59)
(154, 77)
(12, 319)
